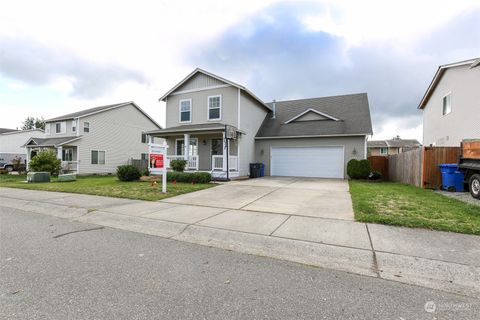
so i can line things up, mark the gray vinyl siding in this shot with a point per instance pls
(13, 142)
(67, 133)
(229, 113)
(262, 147)
(251, 118)
(463, 122)
(200, 81)
(117, 132)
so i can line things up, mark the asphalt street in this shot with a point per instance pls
(52, 268)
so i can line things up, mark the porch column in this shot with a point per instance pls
(28, 158)
(59, 153)
(186, 146)
(224, 153)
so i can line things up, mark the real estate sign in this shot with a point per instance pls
(157, 154)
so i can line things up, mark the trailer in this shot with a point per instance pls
(470, 164)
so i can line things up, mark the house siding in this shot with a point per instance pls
(252, 115)
(68, 132)
(118, 133)
(376, 151)
(263, 146)
(13, 142)
(229, 113)
(464, 120)
(200, 81)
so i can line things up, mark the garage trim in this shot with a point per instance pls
(317, 146)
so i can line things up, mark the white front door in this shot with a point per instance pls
(320, 162)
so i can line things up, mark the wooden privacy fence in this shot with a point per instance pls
(406, 167)
(380, 164)
(417, 167)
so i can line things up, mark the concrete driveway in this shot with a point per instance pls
(310, 197)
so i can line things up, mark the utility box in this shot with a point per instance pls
(67, 177)
(34, 177)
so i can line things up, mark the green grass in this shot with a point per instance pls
(404, 205)
(105, 186)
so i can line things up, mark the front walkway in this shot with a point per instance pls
(439, 260)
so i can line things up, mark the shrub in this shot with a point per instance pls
(189, 177)
(128, 173)
(46, 161)
(146, 172)
(178, 165)
(358, 169)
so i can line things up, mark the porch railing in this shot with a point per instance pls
(217, 163)
(69, 165)
(192, 162)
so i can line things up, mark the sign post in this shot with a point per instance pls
(157, 156)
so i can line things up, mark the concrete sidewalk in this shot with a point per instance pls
(439, 260)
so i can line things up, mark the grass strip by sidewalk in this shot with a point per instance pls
(108, 186)
(404, 205)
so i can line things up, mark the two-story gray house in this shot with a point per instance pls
(215, 123)
(96, 140)
(451, 105)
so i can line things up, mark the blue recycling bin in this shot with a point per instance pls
(452, 179)
(262, 170)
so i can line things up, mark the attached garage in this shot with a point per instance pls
(321, 162)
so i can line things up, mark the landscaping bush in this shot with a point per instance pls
(128, 173)
(46, 161)
(178, 165)
(189, 177)
(358, 169)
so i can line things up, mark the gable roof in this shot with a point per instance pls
(50, 142)
(233, 84)
(311, 110)
(351, 113)
(394, 143)
(438, 76)
(95, 110)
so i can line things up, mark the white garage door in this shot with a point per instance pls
(322, 162)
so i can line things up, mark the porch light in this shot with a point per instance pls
(354, 151)
(204, 142)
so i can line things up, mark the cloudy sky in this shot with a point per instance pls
(58, 57)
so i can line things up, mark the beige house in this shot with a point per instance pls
(451, 104)
(96, 140)
(391, 146)
(221, 127)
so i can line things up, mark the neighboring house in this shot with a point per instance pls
(309, 137)
(451, 108)
(12, 144)
(391, 147)
(96, 140)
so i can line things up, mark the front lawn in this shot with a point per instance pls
(404, 205)
(108, 186)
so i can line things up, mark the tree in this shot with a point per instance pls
(33, 123)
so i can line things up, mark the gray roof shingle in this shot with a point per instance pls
(85, 112)
(394, 143)
(352, 111)
(5, 130)
(52, 142)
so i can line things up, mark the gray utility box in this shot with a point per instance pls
(67, 177)
(38, 177)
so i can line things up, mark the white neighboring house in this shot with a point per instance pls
(451, 105)
(96, 140)
(12, 144)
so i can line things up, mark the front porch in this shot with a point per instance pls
(204, 149)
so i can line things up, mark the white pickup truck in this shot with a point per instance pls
(6, 160)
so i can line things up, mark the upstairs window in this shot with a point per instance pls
(86, 127)
(186, 110)
(447, 105)
(58, 127)
(214, 107)
(74, 126)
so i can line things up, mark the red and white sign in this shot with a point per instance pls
(156, 161)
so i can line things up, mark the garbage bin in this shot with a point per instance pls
(262, 170)
(452, 179)
(254, 170)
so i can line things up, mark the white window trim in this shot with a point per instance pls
(74, 125)
(180, 110)
(60, 123)
(183, 149)
(98, 164)
(89, 126)
(448, 94)
(208, 108)
(383, 154)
